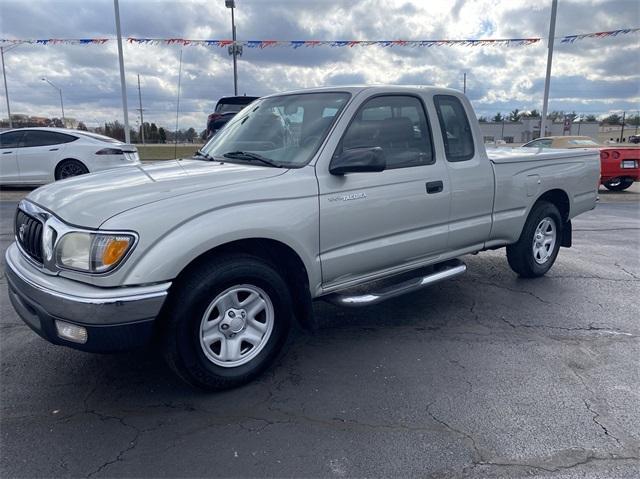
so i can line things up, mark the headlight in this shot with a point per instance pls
(92, 252)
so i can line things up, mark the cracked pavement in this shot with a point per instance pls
(486, 375)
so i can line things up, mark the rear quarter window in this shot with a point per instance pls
(33, 138)
(455, 128)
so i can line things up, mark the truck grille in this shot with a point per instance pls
(29, 235)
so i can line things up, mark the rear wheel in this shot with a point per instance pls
(227, 322)
(70, 168)
(539, 243)
(618, 184)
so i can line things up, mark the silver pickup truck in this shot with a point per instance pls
(352, 195)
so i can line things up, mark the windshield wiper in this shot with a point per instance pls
(204, 155)
(247, 155)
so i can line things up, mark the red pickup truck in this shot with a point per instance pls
(620, 167)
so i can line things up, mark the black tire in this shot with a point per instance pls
(190, 300)
(70, 168)
(520, 255)
(618, 185)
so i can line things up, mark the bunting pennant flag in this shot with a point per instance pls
(296, 44)
(611, 33)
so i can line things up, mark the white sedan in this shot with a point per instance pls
(35, 156)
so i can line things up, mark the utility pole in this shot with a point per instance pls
(123, 86)
(6, 90)
(622, 130)
(464, 84)
(547, 80)
(234, 49)
(140, 109)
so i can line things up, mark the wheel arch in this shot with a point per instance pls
(60, 162)
(560, 199)
(284, 258)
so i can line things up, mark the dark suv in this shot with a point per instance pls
(226, 108)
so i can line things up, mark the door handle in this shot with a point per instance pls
(53, 149)
(6, 152)
(434, 187)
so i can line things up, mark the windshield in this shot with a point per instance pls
(229, 107)
(286, 129)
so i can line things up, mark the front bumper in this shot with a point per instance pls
(116, 319)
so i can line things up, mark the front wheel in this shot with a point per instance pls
(619, 184)
(227, 321)
(539, 243)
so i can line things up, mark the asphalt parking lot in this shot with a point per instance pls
(486, 375)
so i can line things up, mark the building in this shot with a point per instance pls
(528, 129)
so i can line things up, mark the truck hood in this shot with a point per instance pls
(90, 200)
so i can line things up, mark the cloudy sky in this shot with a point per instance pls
(590, 76)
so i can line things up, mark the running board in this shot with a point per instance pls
(446, 270)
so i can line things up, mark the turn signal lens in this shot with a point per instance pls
(114, 250)
(615, 155)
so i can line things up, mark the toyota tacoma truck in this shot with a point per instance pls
(352, 195)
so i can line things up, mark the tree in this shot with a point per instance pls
(191, 134)
(162, 134)
(498, 117)
(590, 118)
(555, 115)
(152, 133)
(82, 126)
(483, 119)
(613, 119)
(515, 115)
(532, 114)
(633, 120)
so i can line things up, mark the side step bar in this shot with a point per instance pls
(443, 271)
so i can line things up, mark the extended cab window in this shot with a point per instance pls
(456, 131)
(397, 124)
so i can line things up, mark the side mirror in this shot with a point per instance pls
(358, 160)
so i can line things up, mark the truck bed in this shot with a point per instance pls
(523, 174)
(511, 155)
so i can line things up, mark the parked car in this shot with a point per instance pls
(352, 195)
(226, 108)
(634, 139)
(563, 142)
(35, 156)
(620, 167)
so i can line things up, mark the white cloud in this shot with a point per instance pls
(591, 76)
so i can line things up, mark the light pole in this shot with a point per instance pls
(4, 75)
(61, 104)
(547, 78)
(123, 85)
(234, 48)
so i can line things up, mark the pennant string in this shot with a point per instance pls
(296, 44)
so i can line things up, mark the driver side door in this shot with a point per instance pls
(373, 223)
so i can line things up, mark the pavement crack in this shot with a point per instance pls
(514, 290)
(596, 415)
(119, 457)
(563, 328)
(477, 454)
